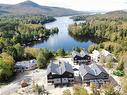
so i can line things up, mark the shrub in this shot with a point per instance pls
(67, 92)
(118, 73)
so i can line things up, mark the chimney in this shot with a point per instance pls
(60, 63)
(51, 61)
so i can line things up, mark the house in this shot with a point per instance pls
(93, 73)
(25, 65)
(106, 54)
(81, 58)
(95, 56)
(61, 73)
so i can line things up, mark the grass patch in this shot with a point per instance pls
(118, 73)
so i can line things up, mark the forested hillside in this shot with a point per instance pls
(109, 29)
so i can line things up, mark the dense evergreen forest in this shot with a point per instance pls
(109, 30)
(79, 18)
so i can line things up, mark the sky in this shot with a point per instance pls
(81, 5)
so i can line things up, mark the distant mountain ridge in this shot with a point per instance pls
(117, 12)
(31, 8)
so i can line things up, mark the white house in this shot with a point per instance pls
(26, 65)
(105, 53)
(96, 55)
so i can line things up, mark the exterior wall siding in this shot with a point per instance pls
(86, 59)
(57, 81)
(102, 76)
(66, 78)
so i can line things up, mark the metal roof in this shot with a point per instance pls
(96, 52)
(26, 63)
(59, 68)
(81, 54)
(75, 53)
(105, 52)
(92, 69)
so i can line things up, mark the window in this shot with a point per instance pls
(50, 76)
(70, 75)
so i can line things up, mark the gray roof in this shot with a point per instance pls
(92, 69)
(75, 53)
(81, 54)
(26, 63)
(52, 68)
(84, 69)
(59, 68)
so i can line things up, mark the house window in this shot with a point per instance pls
(57, 80)
(70, 75)
(50, 76)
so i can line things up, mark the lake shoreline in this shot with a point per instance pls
(63, 39)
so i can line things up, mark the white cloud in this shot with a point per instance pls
(83, 5)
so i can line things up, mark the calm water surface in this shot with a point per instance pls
(62, 39)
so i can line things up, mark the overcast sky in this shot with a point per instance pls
(82, 5)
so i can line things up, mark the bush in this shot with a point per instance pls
(43, 58)
(109, 65)
(41, 61)
(120, 65)
(67, 92)
(78, 90)
(37, 89)
(31, 53)
(118, 73)
(6, 66)
(61, 52)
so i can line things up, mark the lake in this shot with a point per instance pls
(62, 39)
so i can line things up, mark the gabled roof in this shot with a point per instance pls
(81, 54)
(84, 69)
(66, 67)
(75, 53)
(26, 63)
(52, 68)
(96, 52)
(59, 68)
(105, 52)
(92, 69)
